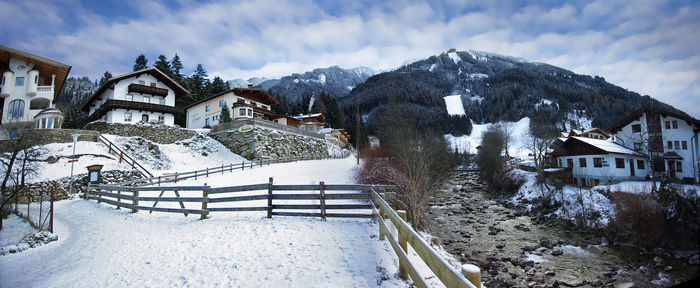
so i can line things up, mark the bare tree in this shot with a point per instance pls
(18, 155)
(538, 146)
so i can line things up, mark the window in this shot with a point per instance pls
(141, 82)
(206, 121)
(253, 104)
(575, 181)
(265, 107)
(304, 128)
(669, 144)
(250, 112)
(161, 101)
(582, 162)
(685, 145)
(146, 99)
(619, 163)
(637, 146)
(161, 119)
(636, 128)
(241, 112)
(677, 144)
(559, 160)
(240, 100)
(221, 103)
(16, 109)
(215, 117)
(640, 164)
(19, 81)
(594, 182)
(679, 166)
(127, 117)
(668, 124)
(13, 133)
(207, 108)
(570, 163)
(597, 162)
(153, 84)
(311, 128)
(43, 123)
(36, 79)
(675, 124)
(49, 122)
(129, 97)
(144, 118)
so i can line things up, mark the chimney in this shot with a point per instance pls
(250, 85)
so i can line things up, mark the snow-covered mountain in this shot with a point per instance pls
(335, 81)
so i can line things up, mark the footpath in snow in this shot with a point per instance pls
(99, 246)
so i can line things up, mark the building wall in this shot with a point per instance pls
(605, 173)
(117, 116)
(197, 114)
(120, 91)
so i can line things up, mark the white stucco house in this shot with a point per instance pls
(144, 96)
(668, 139)
(243, 103)
(30, 85)
(593, 161)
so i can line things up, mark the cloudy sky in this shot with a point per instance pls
(651, 47)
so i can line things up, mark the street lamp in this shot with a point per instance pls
(72, 163)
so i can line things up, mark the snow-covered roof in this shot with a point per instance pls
(325, 131)
(606, 145)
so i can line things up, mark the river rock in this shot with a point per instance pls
(545, 243)
(557, 252)
(625, 285)
(529, 248)
(550, 273)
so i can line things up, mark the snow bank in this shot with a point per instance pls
(454, 105)
(518, 131)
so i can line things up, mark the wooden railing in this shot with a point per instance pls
(130, 197)
(470, 275)
(125, 157)
(177, 176)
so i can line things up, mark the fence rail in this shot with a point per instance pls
(125, 157)
(177, 176)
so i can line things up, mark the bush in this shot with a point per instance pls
(639, 219)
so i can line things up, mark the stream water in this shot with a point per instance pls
(514, 250)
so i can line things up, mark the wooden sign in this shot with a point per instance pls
(73, 161)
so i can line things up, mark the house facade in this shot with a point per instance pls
(668, 139)
(30, 84)
(144, 96)
(593, 161)
(311, 122)
(243, 103)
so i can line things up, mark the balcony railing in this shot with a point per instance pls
(42, 89)
(132, 105)
(143, 89)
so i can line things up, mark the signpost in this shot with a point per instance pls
(72, 163)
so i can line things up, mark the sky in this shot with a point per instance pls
(650, 47)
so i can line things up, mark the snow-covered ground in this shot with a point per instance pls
(13, 229)
(518, 131)
(454, 105)
(99, 246)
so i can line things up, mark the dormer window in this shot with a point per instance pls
(153, 84)
(141, 82)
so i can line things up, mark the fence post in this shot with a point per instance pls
(121, 156)
(251, 163)
(99, 197)
(119, 199)
(175, 176)
(473, 274)
(195, 174)
(222, 168)
(159, 180)
(269, 199)
(51, 221)
(205, 195)
(87, 192)
(207, 172)
(242, 165)
(323, 200)
(403, 270)
(135, 202)
(382, 214)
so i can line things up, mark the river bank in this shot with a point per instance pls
(512, 248)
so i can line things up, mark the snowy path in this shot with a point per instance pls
(103, 247)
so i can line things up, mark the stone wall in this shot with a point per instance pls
(156, 133)
(62, 186)
(260, 143)
(48, 136)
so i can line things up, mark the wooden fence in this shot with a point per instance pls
(374, 201)
(125, 157)
(174, 177)
(469, 277)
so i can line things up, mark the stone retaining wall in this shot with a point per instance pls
(61, 186)
(260, 143)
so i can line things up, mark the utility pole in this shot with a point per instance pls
(70, 185)
(357, 128)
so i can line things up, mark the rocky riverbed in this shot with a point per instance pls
(514, 250)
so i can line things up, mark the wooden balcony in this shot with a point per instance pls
(132, 105)
(143, 89)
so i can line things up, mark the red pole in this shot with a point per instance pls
(51, 221)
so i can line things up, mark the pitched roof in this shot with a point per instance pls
(255, 94)
(43, 65)
(606, 145)
(177, 88)
(639, 112)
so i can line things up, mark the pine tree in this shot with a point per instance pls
(104, 78)
(218, 85)
(225, 114)
(176, 67)
(141, 63)
(163, 65)
(198, 83)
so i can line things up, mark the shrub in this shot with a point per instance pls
(639, 219)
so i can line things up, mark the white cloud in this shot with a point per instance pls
(645, 46)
